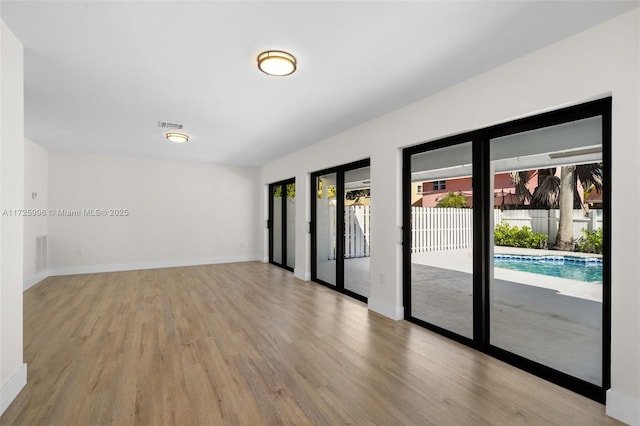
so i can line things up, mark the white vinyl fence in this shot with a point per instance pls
(357, 231)
(440, 228)
(435, 228)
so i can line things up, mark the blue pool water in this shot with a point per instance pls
(575, 268)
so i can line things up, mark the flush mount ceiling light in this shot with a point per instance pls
(277, 63)
(177, 137)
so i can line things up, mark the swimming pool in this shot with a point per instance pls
(576, 268)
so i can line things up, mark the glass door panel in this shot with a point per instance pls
(326, 226)
(276, 222)
(291, 225)
(357, 230)
(546, 289)
(442, 238)
(282, 218)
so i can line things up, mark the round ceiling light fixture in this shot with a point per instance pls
(277, 63)
(177, 137)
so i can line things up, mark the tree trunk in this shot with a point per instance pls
(564, 239)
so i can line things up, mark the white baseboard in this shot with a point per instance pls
(33, 280)
(135, 266)
(265, 259)
(302, 274)
(12, 387)
(623, 407)
(386, 309)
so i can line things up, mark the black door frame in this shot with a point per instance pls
(483, 206)
(339, 171)
(283, 198)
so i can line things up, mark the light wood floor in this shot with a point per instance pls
(247, 343)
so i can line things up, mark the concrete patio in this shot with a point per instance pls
(554, 321)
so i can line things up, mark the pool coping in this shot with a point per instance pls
(462, 260)
(542, 252)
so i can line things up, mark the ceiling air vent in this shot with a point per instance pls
(165, 125)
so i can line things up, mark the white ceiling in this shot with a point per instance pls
(100, 75)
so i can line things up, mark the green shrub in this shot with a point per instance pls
(451, 200)
(505, 235)
(591, 242)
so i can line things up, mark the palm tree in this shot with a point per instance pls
(555, 192)
(545, 196)
(589, 175)
(520, 181)
(452, 200)
(564, 238)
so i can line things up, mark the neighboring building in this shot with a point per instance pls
(504, 190)
(594, 200)
(416, 194)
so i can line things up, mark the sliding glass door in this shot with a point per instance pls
(326, 203)
(341, 228)
(506, 234)
(282, 219)
(357, 230)
(441, 270)
(547, 284)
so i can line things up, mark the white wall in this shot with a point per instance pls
(602, 61)
(180, 213)
(13, 373)
(36, 181)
